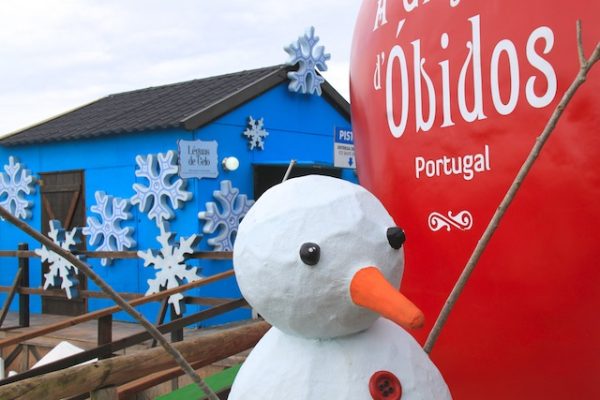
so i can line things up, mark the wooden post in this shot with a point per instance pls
(177, 334)
(25, 358)
(105, 332)
(17, 282)
(24, 298)
(107, 393)
(161, 316)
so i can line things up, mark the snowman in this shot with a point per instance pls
(321, 260)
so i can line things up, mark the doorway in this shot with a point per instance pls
(266, 176)
(63, 200)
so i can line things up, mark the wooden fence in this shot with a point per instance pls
(106, 347)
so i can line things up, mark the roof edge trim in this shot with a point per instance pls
(234, 100)
(247, 93)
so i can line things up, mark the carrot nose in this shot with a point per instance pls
(371, 290)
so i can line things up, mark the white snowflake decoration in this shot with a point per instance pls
(61, 271)
(109, 233)
(16, 183)
(170, 264)
(310, 57)
(234, 208)
(256, 133)
(159, 170)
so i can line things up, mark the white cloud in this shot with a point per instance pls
(57, 55)
(337, 76)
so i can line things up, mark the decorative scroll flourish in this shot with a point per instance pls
(462, 221)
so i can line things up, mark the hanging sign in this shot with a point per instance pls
(198, 159)
(343, 148)
(448, 97)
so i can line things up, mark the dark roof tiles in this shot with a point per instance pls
(185, 105)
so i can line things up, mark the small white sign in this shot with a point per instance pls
(343, 148)
(198, 159)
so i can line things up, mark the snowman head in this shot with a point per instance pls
(320, 257)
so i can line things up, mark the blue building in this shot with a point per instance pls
(250, 117)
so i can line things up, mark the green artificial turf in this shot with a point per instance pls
(216, 382)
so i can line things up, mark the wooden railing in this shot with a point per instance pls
(106, 375)
(106, 347)
(21, 281)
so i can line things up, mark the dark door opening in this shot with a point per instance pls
(266, 176)
(63, 200)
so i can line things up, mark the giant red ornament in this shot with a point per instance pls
(448, 97)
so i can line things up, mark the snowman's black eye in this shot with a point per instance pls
(310, 253)
(396, 237)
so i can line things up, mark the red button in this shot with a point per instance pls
(384, 385)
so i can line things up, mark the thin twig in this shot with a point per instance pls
(185, 366)
(289, 170)
(585, 66)
(580, 51)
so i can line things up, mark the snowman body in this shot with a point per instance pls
(289, 367)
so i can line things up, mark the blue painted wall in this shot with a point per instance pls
(300, 127)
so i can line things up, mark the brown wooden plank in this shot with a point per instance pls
(197, 300)
(126, 254)
(72, 209)
(206, 301)
(10, 328)
(13, 355)
(84, 396)
(13, 253)
(106, 393)
(123, 369)
(48, 208)
(11, 295)
(35, 353)
(61, 293)
(213, 255)
(111, 310)
(128, 390)
(60, 188)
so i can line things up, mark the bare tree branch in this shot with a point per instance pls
(580, 51)
(585, 66)
(185, 366)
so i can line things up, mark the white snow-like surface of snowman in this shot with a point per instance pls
(321, 260)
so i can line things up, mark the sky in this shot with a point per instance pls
(59, 55)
